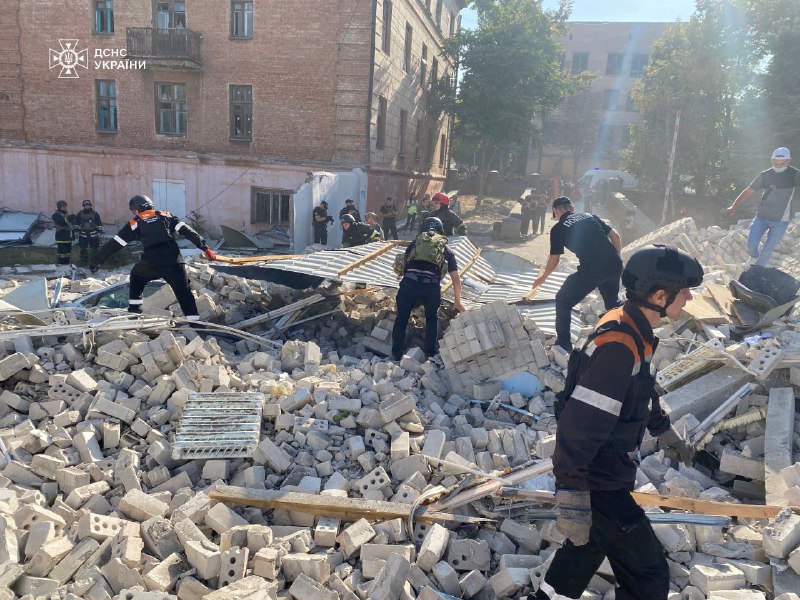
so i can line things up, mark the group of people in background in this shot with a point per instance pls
(533, 209)
(85, 227)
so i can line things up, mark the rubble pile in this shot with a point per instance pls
(94, 503)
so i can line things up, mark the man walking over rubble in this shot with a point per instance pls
(355, 233)
(780, 185)
(162, 259)
(321, 219)
(597, 247)
(63, 221)
(608, 401)
(426, 260)
(89, 227)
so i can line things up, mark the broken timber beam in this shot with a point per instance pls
(348, 509)
(469, 264)
(390, 245)
(243, 260)
(279, 312)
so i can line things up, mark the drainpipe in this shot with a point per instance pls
(368, 144)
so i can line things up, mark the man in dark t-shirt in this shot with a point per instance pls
(597, 247)
(780, 185)
(389, 213)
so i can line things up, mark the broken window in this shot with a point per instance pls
(106, 92)
(270, 206)
(407, 49)
(104, 16)
(380, 140)
(638, 63)
(171, 14)
(241, 106)
(403, 122)
(171, 108)
(386, 31)
(241, 19)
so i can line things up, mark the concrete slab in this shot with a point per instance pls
(778, 441)
(701, 396)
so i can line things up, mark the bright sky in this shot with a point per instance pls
(616, 10)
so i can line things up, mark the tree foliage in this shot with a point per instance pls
(510, 70)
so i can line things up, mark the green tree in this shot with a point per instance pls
(510, 71)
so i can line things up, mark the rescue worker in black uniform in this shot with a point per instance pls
(453, 225)
(350, 209)
(320, 222)
(597, 247)
(63, 221)
(608, 402)
(426, 259)
(162, 258)
(89, 227)
(355, 233)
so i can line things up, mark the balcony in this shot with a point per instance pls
(165, 48)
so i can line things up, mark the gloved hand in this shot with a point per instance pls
(330, 219)
(672, 439)
(210, 254)
(574, 520)
(94, 267)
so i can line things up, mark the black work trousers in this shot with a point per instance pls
(321, 233)
(390, 227)
(538, 221)
(410, 220)
(621, 532)
(173, 273)
(525, 224)
(414, 289)
(63, 248)
(86, 240)
(577, 286)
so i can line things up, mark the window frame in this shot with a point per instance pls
(452, 27)
(573, 66)
(618, 64)
(243, 11)
(401, 142)
(386, 28)
(176, 109)
(434, 71)
(408, 47)
(418, 141)
(380, 128)
(246, 106)
(442, 149)
(279, 201)
(611, 99)
(630, 105)
(637, 66)
(438, 17)
(106, 101)
(171, 14)
(107, 11)
(423, 66)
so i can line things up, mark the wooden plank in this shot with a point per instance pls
(371, 256)
(279, 312)
(722, 296)
(348, 509)
(470, 262)
(728, 509)
(356, 292)
(243, 260)
(490, 487)
(705, 309)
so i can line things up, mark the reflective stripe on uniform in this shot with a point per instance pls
(120, 241)
(597, 400)
(179, 225)
(135, 301)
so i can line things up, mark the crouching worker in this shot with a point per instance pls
(608, 401)
(426, 260)
(355, 233)
(162, 258)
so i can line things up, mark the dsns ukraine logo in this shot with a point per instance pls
(69, 58)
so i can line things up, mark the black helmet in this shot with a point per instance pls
(141, 203)
(347, 218)
(61, 204)
(324, 203)
(659, 267)
(86, 203)
(433, 223)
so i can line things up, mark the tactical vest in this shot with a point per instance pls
(153, 227)
(629, 430)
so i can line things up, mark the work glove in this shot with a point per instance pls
(574, 519)
(673, 440)
(210, 254)
(94, 267)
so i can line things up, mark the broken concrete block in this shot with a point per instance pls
(782, 534)
(710, 578)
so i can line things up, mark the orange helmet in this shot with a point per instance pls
(440, 197)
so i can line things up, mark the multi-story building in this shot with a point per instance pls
(245, 112)
(590, 132)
